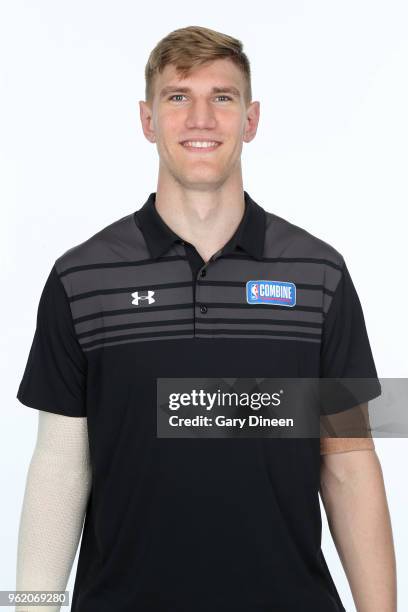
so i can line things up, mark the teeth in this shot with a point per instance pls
(199, 144)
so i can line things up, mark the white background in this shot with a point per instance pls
(330, 155)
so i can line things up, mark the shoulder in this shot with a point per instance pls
(120, 240)
(285, 239)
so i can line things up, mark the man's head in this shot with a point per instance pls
(198, 88)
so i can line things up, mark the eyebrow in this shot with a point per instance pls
(216, 90)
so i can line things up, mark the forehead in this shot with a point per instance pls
(220, 72)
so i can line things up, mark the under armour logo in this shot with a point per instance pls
(149, 297)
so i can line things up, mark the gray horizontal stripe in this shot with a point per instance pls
(190, 336)
(152, 317)
(254, 333)
(106, 314)
(158, 335)
(320, 261)
(272, 308)
(144, 327)
(284, 314)
(117, 264)
(259, 329)
(260, 323)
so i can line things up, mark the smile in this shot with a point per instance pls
(200, 145)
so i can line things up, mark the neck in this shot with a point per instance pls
(207, 218)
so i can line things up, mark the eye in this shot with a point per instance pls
(176, 96)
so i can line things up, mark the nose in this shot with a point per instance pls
(201, 115)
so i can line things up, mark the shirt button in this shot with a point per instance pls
(203, 308)
(203, 272)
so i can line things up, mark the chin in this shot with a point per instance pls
(201, 174)
(198, 180)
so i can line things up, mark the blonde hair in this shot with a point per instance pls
(187, 48)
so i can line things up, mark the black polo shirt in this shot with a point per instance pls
(194, 525)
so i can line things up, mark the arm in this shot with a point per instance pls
(54, 505)
(353, 496)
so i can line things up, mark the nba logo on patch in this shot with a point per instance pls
(280, 293)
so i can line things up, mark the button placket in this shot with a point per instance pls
(201, 308)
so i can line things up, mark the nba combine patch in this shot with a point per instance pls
(279, 293)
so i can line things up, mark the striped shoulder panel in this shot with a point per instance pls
(102, 276)
(109, 278)
(121, 240)
(307, 257)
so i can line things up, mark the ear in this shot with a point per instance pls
(252, 121)
(146, 118)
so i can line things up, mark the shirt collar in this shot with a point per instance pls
(249, 235)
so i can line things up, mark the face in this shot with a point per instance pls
(206, 107)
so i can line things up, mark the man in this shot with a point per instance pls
(188, 524)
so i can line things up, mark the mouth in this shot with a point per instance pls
(200, 146)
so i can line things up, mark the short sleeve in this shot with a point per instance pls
(346, 354)
(54, 378)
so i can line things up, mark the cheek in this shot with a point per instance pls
(170, 126)
(229, 120)
(232, 128)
